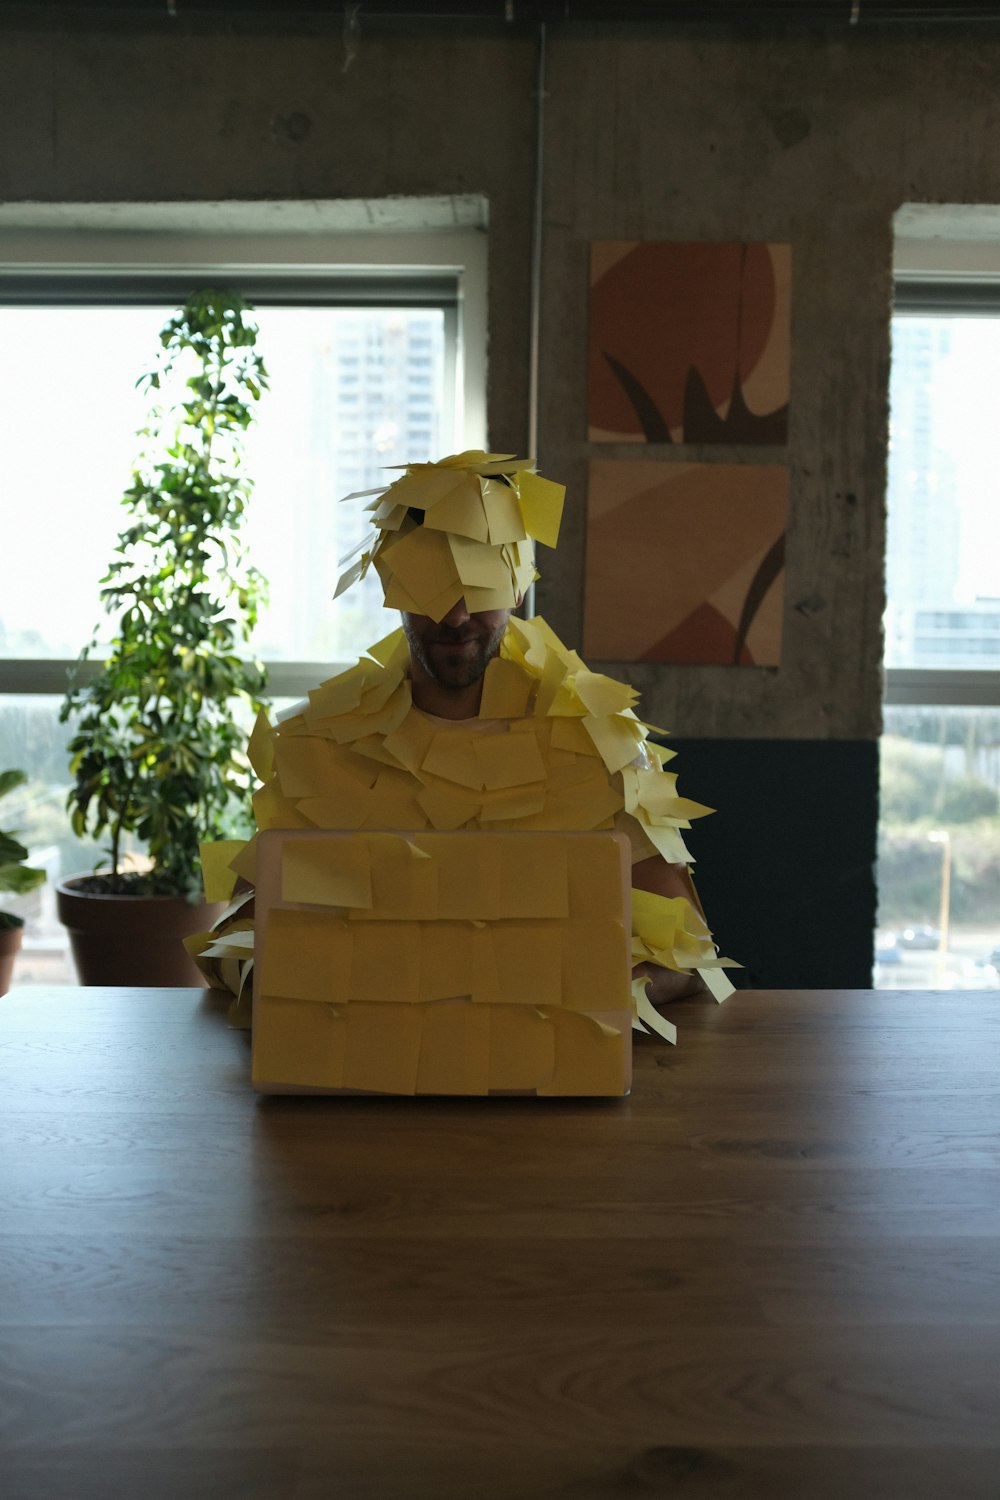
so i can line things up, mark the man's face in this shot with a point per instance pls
(456, 651)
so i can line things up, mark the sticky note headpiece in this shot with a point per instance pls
(463, 527)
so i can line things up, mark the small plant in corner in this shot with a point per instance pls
(16, 877)
(157, 745)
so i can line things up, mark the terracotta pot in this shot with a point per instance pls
(132, 939)
(10, 946)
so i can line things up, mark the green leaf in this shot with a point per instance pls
(153, 745)
(11, 849)
(10, 779)
(20, 878)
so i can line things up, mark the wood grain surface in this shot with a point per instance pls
(773, 1271)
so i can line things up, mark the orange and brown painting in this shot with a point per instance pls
(685, 563)
(689, 343)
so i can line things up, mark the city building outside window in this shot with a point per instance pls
(939, 835)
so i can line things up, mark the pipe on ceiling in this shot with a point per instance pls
(692, 13)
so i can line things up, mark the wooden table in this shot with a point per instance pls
(773, 1271)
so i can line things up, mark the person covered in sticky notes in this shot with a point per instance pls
(470, 717)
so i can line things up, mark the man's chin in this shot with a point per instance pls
(456, 670)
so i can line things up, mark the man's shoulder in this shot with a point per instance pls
(353, 691)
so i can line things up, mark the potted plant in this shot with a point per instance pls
(157, 748)
(17, 878)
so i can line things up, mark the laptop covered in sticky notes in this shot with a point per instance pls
(462, 963)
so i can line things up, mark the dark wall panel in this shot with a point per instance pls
(785, 867)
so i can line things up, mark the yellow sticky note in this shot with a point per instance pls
(460, 512)
(383, 1047)
(385, 962)
(595, 881)
(478, 566)
(485, 978)
(381, 721)
(372, 748)
(388, 516)
(529, 964)
(410, 741)
(327, 871)
(583, 807)
(392, 802)
(522, 1047)
(446, 806)
(617, 739)
(508, 760)
(422, 561)
(237, 942)
(506, 691)
(460, 873)
(468, 877)
(404, 886)
(273, 810)
(396, 597)
(568, 733)
(666, 840)
(438, 605)
(454, 1049)
(391, 651)
(305, 765)
(602, 695)
(534, 877)
(658, 919)
(589, 1057)
(245, 863)
(655, 788)
(717, 983)
(597, 965)
(479, 600)
(216, 867)
(340, 694)
(446, 960)
(295, 1042)
(541, 503)
(260, 751)
(646, 1012)
(344, 809)
(503, 513)
(305, 956)
(426, 486)
(378, 690)
(553, 674)
(508, 805)
(452, 757)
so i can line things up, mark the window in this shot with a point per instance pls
(939, 836)
(375, 352)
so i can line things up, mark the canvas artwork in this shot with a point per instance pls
(685, 562)
(689, 343)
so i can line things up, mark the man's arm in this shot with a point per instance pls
(663, 879)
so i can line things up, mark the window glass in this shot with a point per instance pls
(353, 392)
(939, 828)
(939, 849)
(33, 740)
(68, 461)
(942, 582)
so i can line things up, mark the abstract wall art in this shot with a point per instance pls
(685, 562)
(689, 343)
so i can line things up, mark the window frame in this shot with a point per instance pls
(920, 290)
(142, 255)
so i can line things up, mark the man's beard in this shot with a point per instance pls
(455, 670)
